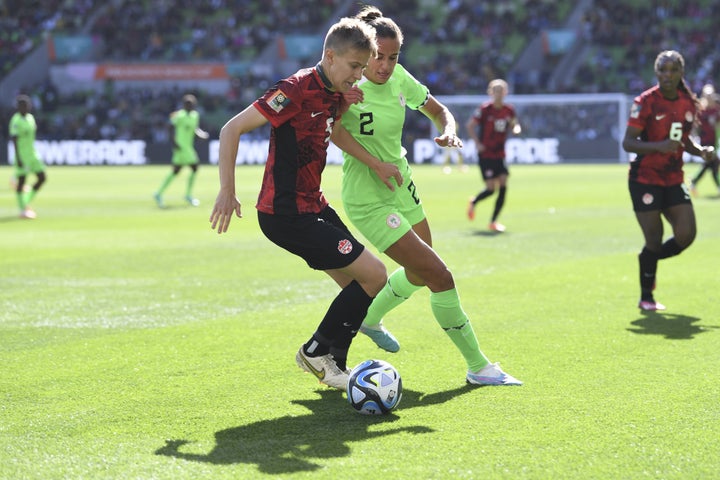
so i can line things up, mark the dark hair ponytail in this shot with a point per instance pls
(384, 27)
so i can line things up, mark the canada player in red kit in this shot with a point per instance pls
(658, 131)
(304, 111)
(489, 127)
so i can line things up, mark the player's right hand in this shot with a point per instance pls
(226, 204)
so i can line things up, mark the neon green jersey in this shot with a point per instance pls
(377, 124)
(185, 124)
(24, 128)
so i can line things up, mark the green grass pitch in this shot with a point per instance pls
(136, 343)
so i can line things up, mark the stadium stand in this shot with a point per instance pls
(620, 35)
(23, 25)
(454, 47)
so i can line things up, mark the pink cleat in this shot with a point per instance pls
(650, 306)
(28, 213)
(496, 227)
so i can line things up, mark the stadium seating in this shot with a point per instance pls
(455, 47)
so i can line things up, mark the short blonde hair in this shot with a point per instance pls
(351, 34)
(498, 82)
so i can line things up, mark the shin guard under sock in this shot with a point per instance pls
(669, 249)
(648, 267)
(396, 290)
(499, 203)
(451, 317)
(482, 195)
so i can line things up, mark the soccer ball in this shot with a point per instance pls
(374, 388)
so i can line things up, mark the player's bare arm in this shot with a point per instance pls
(385, 171)
(470, 128)
(444, 121)
(226, 202)
(632, 143)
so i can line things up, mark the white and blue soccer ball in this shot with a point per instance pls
(374, 388)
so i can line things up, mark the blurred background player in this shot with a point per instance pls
(489, 127)
(382, 201)
(450, 155)
(22, 133)
(658, 131)
(708, 125)
(185, 124)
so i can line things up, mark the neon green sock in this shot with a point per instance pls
(165, 183)
(28, 196)
(451, 317)
(21, 200)
(190, 183)
(396, 290)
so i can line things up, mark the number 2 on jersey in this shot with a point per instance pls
(366, 118)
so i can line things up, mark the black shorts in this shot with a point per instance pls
(322, 240)
(492, 167)
(646, 198)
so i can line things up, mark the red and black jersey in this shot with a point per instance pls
(493, 125)
(302, 111)
(709, 118)
(660, 119)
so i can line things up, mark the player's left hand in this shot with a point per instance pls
(202, 134)
(449, 140)
(354, 95)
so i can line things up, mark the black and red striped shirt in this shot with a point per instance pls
(494, 125)
(302, 112)
(661, 119)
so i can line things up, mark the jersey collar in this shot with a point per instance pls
(325, 80)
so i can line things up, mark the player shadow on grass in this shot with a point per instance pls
(488, 233)
(294, 443)
(672, 326)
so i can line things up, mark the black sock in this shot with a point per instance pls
(340, 357)
(699, 175)
(344, 317)
(317, 346)
(669, 249)
(484, 194)
(648, 268)
(499, 203)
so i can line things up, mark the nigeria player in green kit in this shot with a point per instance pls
(185, 124)
(389, 213)
(22, 133)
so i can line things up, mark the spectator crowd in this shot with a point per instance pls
(454, 47)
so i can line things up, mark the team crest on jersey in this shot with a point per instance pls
(278, 100)
(402, 100)
(635, 110)
(393, 221)
(345, 246)
(689, 117)
(648, 199)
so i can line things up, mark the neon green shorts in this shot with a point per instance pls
(185, 156)
(30, 165)
(384, 223)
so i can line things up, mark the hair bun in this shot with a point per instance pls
(369, 14)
